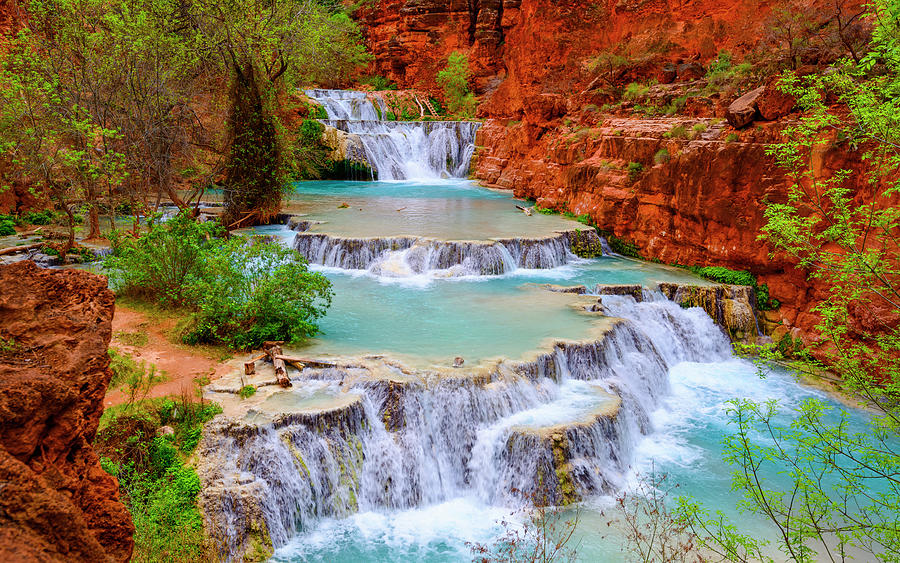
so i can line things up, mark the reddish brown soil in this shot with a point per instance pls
(181, 365)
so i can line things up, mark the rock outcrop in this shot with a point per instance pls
(56, 502)
(696, 199)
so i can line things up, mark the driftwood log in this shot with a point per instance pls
(23, 248)
(274, 352)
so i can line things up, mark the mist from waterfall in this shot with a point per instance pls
(400, 150)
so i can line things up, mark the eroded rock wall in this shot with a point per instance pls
(56, 502)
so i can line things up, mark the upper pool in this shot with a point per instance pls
(441, 209)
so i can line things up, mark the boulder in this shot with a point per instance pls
(743, 110)
(690, 71)
(773, 103)
(668, 73)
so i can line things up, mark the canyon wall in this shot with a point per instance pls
(538, 69)
(56, 502)
(522, 48)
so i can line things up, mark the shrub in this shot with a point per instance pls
(378, 82)
(239, 292)
(247, 391)
(162, 264)
(662, 156)
(317, 112)
(623, 247)
(677, 132)
(39, 217)
(635, 169)
(7, 227)
(454, 79)
(699, 128)
(732, 137)
(158, 488)
(253, 291)
(635, 90)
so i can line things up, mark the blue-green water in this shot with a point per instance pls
(428, 321)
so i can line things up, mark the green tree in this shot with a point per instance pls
(265, 49)
(842, 491)
(454, 79)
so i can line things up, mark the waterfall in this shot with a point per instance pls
(562, 426)
(407, 256)
(400, 150)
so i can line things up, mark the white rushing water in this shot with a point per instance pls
(405, 256)
(400, 150)
(419, 444)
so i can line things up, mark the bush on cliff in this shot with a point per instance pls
(238, 291)
(159, 489)
(455, 81)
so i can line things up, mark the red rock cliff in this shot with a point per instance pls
(545, 139)
(521, 48)
(56, 502)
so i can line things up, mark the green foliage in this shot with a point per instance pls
(7, 227)
(720, 274)
(662, 156)
(378, 82)
(635, 90)
(247, 391)
(7, 345)
(677, 132)
(635, 169)
(623, 247)
(39, 217)
(159, 489)
(317, 112)
(253, 291)
(454, 79)
(839, 492)
(732, 137)
(160, 265)
(699, 128)
(240, 291)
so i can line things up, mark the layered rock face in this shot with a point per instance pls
(701, 203)
(522, 48)
(56, 502)
(703, 206)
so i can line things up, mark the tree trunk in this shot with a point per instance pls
(253, 179)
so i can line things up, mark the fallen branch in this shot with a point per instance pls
(307, 362)
(17, 249)
(273, 350)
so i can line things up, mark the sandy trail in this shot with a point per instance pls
(182, 365)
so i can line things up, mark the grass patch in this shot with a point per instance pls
(662, 156)
(158, 487)
(247, 391)
(138, 338)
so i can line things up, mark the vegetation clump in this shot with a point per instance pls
(145, 444)
(239, 291)
(454, 79)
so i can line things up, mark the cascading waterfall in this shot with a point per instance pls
(407, 256)
(419, 440)
(400, 150)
